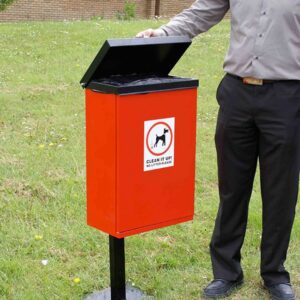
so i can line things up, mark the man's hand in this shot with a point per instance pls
(151, 33)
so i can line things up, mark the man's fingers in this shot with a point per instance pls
(148, 33)
(151, 33)
(140, 35)
(145, 34)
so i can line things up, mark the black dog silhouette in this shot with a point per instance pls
(161, 138)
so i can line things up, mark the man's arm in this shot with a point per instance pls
(201, 16)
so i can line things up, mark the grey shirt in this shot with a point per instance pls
(265, 34)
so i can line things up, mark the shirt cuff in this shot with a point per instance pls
(166, 30)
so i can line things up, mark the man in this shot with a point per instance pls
(259, 118)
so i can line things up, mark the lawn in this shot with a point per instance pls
(42, 174)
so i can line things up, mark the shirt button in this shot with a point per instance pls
(264, 13)
(260, 35)
(256, 57)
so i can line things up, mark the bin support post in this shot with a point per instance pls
(118, 289)
(117, 268)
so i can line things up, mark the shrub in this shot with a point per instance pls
(128, 13)
(4, 4)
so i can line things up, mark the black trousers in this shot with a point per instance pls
(256, 123)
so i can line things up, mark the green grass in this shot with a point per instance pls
(42, 174)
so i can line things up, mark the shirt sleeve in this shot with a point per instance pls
(201, 16)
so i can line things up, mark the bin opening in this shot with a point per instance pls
(133, 84)
(125, 66)
(131, 80)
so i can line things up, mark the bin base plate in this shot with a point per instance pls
(132, 293)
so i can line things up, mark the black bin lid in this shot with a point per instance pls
(137, 58)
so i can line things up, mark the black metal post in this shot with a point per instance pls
(117, 268)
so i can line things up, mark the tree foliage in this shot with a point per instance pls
(5, 3)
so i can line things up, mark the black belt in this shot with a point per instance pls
(255, 81)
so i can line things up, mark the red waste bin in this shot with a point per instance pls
(140, 136)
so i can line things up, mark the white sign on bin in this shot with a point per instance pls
(159, 138)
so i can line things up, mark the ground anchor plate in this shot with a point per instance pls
(132, 293)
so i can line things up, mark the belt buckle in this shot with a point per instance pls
(253, 81)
